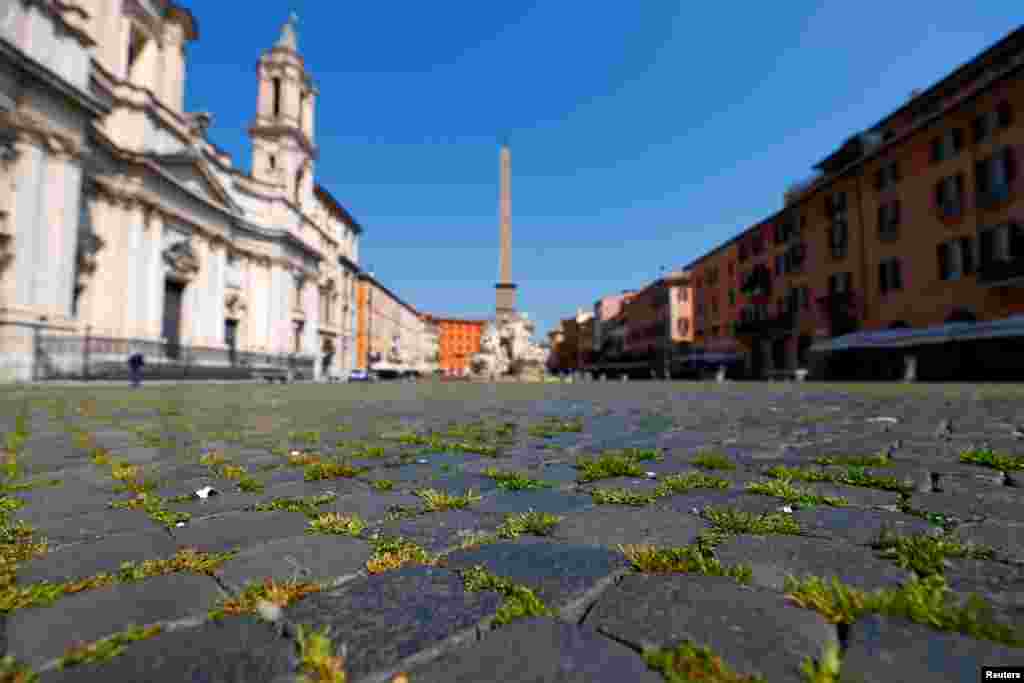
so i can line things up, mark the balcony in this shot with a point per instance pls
(779, 325)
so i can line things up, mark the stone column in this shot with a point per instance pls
(274, 312)
(131, 316)
(155, 275)
(218, 254)
(28, 202)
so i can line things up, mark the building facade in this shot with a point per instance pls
(392, 335)
(459, 341)
(123, 222)
(912, 223)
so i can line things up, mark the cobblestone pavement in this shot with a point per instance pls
(588, 532)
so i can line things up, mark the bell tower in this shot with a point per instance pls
(283, 147)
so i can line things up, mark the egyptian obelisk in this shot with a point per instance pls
(505, 295)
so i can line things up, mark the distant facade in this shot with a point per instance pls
(120, 220)
(392, 334)
(460, 339)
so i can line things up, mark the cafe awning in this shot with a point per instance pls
(937, 334)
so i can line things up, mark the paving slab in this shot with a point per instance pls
(238, 530)
(608, 526)
(733, 620)
(1006, 539)
(312, 557)
(859, 526)
(884, 649)
(771, 558)
(540, 500)
(98, 556)
(234, 650)
(37, 635)
(560, 574)
(539, 650)
(385, 619)
(84, 527)
(438, 531)
(372, 506)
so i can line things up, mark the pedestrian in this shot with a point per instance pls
(135, 363)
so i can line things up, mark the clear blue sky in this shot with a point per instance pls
(642, 133)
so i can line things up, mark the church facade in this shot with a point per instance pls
(121, 223)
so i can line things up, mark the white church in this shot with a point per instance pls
(123, 228)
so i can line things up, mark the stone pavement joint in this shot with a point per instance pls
(579, 608)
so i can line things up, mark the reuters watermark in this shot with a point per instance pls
(1002, 673)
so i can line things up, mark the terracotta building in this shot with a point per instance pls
(459, 340)
(911, 224)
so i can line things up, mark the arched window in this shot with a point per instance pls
(276, 84)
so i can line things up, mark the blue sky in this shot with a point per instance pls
(643, 133)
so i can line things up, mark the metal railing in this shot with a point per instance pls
(64, 357)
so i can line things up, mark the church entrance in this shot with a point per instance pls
(231, 339)
(170, 328)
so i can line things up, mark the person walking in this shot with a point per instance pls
(135, 363)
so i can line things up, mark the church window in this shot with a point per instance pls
(273, 162)
(277, 96)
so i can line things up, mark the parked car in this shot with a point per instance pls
(360, 375)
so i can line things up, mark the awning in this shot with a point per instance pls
(711, 358)
(938, 334)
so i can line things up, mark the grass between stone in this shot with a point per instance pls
(713, 460)
(13, 671)
(924, 600)
(107, 648)
(514, 481)
(519, 601)
(394, 552)
(855, 475)
(156, 508)
(880, 460)
(317, 659)
(277, 593)
(926, 554)
(687, 663)
(692, 559)
(733, 521)
(45, 593)
(306, 505)
(553, 426)
(784, 489)
(338, 524)
(671, 485)
(437, 501)
(986, 457)
(612, 464)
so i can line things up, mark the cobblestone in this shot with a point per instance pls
(573, 606)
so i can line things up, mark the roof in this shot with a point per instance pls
(363, 275)
(336, 208)
(442, 319)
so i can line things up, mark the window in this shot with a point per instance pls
(684, 294)
(780, 264)
(949, 195)
(887, 176)
(276, 86)
(839, 283)
(1001, 244)
(743, 251)
(714, 306)
(732, 297)
(890, 275)
(1004, 114)
(683, 325)
(757, 246)
(956, 258)
(947, 146)
(889, 220)
(987, 124)
(794, 258)
(272, 161)
(732, 269)
(994, 175)
(805, 297)
(838, 239)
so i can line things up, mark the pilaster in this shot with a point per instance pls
(133, 284)
(155, 275)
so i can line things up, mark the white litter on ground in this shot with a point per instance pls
(893, 420)
(206, 492)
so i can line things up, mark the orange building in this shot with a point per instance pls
(459, 340)
(913, 223)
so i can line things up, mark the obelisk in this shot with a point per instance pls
(505, 294)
